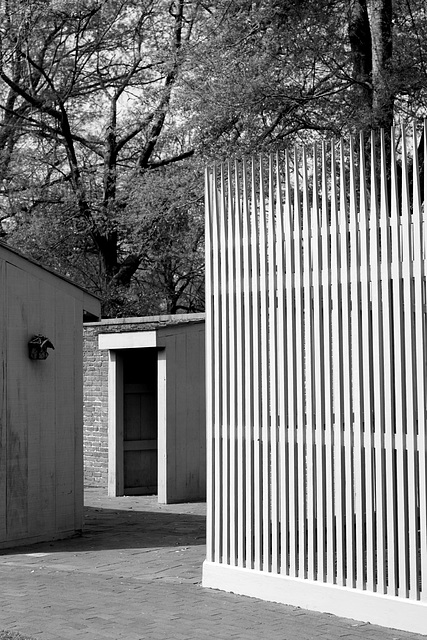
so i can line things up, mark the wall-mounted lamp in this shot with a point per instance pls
(38, 347)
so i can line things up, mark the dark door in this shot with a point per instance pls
(140, 421)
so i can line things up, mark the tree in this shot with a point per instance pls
(89, 84)
(169, 220)
(290, 71)
(165, 219)
(110, 108)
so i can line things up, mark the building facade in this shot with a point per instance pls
(144, 406)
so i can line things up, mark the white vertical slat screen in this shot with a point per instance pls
(316, 365)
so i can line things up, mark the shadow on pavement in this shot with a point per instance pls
(143, 528)
(126, 529)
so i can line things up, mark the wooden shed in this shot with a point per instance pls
(146, 435)
(41, 403)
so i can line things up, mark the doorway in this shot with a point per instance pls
(136, 414)
(156, 411)
(140, 421)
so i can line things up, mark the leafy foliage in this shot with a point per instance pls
(109, 109)
(87, 89)
(280, 71)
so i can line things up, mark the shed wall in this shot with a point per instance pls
(41, 461)
(185, 411)
(183, 342)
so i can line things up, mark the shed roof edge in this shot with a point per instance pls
(87, 295)
(180, 318)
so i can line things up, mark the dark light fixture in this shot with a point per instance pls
(38, 347)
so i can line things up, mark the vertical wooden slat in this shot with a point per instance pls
(420, 339)
(291, 373)
(309, 371)
(365, 278)
(346, 374)
(231, 370)
(388, 472)
(318, 366)
(225, 338)
(377, 373)
(240, 337)
(299, 350)
(248, 356)
(408, 301)
(216, 370)
(396, 271)
(256, 379)
(282, 476)
(356, 351)
(272, 369)
(210, 497)
(377, 339)
(423, 415)
(337, 372)
(328, 374)
(265, 391)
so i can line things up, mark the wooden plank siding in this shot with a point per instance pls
(318, 312)
(185, 411)
(41, 434)
(3, 400)
(41, 411)
(22, 390)
(65, 414)
(78, 417)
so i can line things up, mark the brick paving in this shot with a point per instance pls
(135, 574)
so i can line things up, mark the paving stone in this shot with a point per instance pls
(135, 574)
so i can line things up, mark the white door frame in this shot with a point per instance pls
(114, 343)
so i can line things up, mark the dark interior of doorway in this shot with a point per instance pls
(140, 421)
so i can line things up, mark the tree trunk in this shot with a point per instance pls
(359, 34)
(380, 12)
(370, 32)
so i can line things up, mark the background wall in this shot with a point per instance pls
(171, 336)
(95, 408)
(185, 411)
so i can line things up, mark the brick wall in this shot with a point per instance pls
(95, 398)
(95, 389)
(95, 409)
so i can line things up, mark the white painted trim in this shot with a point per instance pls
(161, 428)
(383, 610)
(115, 424)
(128, 340)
